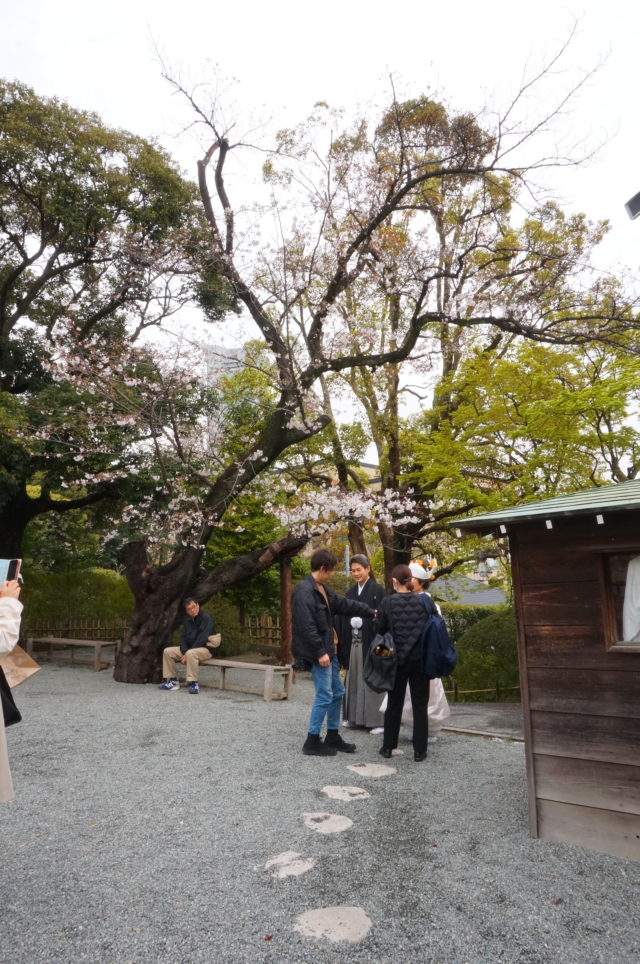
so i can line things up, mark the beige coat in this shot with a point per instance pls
(10, 610)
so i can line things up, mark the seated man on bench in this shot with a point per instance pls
(197, 627)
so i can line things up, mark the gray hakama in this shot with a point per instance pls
(361, 704)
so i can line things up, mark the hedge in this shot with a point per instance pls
(488, 655)
(93, 594)
(460, 617)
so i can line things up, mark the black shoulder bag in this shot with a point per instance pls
(381, 662)
(10, 711)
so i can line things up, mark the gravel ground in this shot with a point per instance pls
(140, 817)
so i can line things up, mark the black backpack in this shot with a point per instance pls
(439, 658)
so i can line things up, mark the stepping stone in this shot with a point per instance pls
(345, 793)
(289, 864)
(374, 770)
(335, 923)
(327, 822)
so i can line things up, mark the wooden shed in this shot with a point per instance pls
(576, 575)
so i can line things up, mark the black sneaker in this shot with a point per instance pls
(313, 746)
(333, 739)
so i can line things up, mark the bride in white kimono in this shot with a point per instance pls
(438, 707)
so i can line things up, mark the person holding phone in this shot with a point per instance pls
(10, 614)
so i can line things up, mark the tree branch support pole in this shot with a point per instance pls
(285, 611)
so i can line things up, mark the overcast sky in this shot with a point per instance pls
(288, 55)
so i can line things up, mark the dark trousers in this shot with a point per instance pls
(419, 688)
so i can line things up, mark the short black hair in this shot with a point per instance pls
(323, 559)
(187, 600)
(360, 560)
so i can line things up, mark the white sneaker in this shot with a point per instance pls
(376, 730)
(349, 726)
(432, 738)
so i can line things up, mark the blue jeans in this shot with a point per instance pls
(329, 693)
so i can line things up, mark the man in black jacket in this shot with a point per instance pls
(313, 607)
(197, 626)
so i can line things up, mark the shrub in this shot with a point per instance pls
(460, 617)
(488, 654)
(95, 594)
(225, 616)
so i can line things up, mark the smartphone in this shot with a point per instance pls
(13, 572)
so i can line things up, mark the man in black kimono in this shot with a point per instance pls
(361, 703)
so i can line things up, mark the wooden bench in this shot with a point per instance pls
(270, 673)
(73, 644)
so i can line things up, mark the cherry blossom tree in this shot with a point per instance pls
(336, 192)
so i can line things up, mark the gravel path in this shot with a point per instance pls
(499, 719)
(140, 817)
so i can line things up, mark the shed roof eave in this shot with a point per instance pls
(610, 498)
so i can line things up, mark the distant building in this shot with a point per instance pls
(456, 588)
(221, 361)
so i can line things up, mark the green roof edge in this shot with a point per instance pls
(607, 498)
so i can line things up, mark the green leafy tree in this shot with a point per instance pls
(529, 422)
(99, 239)
(509, 302)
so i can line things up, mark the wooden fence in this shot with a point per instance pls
(264, 630)
(107, 629)
(453, 694)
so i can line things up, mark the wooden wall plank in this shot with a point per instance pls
(562, 604)
(524, 687)
(567, 563)
(606, 693)
(589, 783)
(605, 831)
(606, 738)
(574, 646)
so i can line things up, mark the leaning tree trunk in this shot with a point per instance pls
(14, 519)
(159, 591)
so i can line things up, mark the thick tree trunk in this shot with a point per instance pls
(159, 592)
(356, 540)
(14, 519)
(396, 549)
